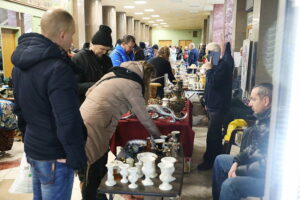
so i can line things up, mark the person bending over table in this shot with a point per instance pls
(117, 92)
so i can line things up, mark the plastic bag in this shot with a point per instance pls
(23, 182)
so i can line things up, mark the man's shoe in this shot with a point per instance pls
(204, 166)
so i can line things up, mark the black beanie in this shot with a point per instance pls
(103, 36)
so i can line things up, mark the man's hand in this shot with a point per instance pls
(231, 173)
(207, 65)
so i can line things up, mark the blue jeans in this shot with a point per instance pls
(225, 188)
(51, 180)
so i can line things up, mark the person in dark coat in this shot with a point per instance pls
(139, 51)
(47, 106)
(217, 99)
(243, 175)
(93, 61)
(162, 66)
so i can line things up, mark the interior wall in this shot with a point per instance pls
(175, 35)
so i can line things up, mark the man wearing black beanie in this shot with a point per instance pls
(93, 61)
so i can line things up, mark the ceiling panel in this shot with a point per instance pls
(177, 14)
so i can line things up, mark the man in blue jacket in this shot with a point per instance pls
(47, 106)
(244, 175)
(217, 99)
(124, 51)
(193, 57)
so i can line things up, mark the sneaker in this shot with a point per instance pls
(204, 166)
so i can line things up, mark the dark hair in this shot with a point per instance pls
(128, 38)
(264, 90)
(119, 41)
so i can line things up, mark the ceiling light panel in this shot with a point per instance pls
(129, 7)
(146, 17)
(138, 13)
(140, 2)
(149, 10)
(155, 16)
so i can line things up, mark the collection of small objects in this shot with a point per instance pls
(141, 160)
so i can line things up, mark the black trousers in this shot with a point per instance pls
(214, 136)
(91, 178)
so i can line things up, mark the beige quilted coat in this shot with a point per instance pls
(104, 105)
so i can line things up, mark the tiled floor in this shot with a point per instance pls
(197, 185)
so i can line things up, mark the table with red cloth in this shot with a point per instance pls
(130, 129)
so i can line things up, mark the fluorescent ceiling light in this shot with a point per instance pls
(140, 2)
(146, 17)
(159, 20)
(155, 16)
(130, 7)
(149, 10)
(138, 13)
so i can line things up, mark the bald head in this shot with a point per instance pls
(56, 24)
(55, 21)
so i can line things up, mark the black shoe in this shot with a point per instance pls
(204, 166)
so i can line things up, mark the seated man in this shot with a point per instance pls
(244, 174)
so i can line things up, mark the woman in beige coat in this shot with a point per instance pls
(104, 105)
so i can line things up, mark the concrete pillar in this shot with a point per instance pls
(204, 31)
(92, 16)
(80, 24)
(265, 34)
(239, 24)
(228, 21)
(150, 35)
(110, 19)
(143, 32)
(130, 25)
(137, 30)
(121, 24)
(210, 22)
(147, 34)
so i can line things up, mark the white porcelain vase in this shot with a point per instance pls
(165, 176)
(110, 176)
(147, 169)
(124, 172)
(133, 177)
(172, 161)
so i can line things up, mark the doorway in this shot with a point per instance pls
(9, 43)
(163, 43)
(184, 43)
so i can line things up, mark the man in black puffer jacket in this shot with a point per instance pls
(93, 61)
(244, 174)
(47, 106)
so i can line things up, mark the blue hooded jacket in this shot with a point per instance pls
(218, 86)
(119, 56)
(46, 102)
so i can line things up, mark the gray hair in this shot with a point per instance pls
(192, 44)
(264, 90)
(213, 47)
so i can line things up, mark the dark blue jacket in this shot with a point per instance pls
(119, 56)
(193, 57)
(219, 84)
(46, 101)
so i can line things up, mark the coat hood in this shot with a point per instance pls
(136, 67)
(34, 48)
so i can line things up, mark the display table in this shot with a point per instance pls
(130, 129)
(190, 93)
(154, 190)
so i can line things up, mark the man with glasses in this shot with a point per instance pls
(93, 61)
(124, 51)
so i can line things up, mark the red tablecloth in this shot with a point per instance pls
(130, 129)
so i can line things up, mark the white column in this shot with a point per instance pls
(93, 17)
(121, 25)
(137, 28)
(78, 15)
(130, 25)
(110, 19)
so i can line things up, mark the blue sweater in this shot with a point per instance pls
(46, 102)
(119, 56)
(193, 57)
